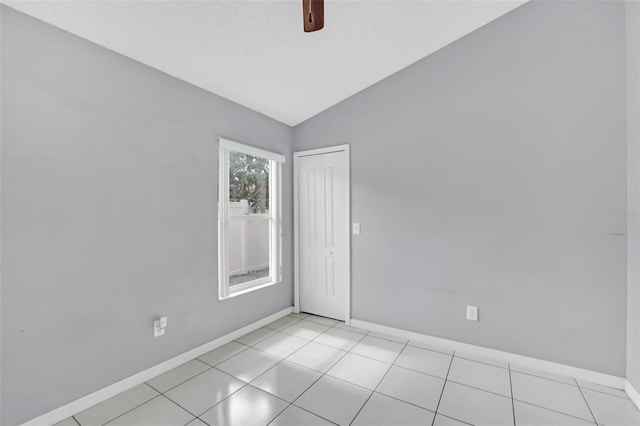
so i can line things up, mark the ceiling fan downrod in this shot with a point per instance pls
(313, 13)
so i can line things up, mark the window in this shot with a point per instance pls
(249, 218)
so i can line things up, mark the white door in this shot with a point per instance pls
(323, 233)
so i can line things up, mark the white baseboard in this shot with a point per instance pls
(520, 360)
(633, 393)
(103, 394)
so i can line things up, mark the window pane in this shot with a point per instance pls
(249, 223)
(248, 250)
(249, 180)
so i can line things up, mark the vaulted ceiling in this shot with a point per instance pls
(255, 52)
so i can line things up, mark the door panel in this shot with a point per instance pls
(323, 234)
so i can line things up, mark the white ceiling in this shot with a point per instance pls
(256, 53)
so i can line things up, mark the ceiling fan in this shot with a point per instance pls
(313, 12)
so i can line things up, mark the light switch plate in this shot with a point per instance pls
(356, 229)
(472, 313)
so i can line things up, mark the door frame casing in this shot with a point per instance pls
(296, 237)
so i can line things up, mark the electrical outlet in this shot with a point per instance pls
(163, 322)
(472, 313)
(158, 330)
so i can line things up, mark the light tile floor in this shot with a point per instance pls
(308, 370)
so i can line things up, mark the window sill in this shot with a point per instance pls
(249, 290)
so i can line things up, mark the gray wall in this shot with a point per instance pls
(633, 192)
(109, 186)
(502, 151)
(481, 175)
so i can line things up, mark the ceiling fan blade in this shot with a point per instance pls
(313, 14)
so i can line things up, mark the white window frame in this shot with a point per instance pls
(275, 219)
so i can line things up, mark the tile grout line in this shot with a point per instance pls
(161, 393)
(333, 347)
(209, 367)
(355, 385)
(552, 410)
(312, 322)
(220, 371)
(393, 341)
(368, 357)
(233, 341)
(545, 378)
(453, 418)
(402, 400)
(480, 362)
(362, 336)
(156, 396)
(238, 390)
(586, 402)
(214, 367)
(576, 385)
(137, 406)
(569, 384)
(281, 359)
(443, 386)
(196, 415)
(295, 351)
(217, 403)
(325, 372)
(365, 333)
(513, 399)
(260, 338)
(513, 405)
(303, 409)
(471, 386)
(308, 340)
(300, 348)
(315, 381)
(374, 389)
(626, 397)
(321, 375)
(280, 362)
(275, 396)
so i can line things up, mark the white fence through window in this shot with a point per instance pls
(248, 243)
